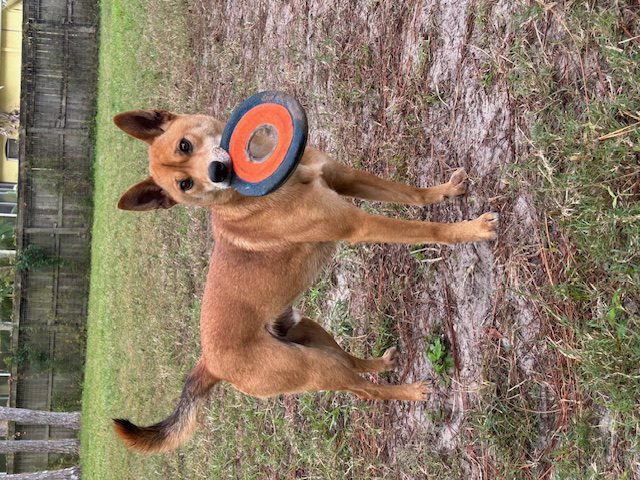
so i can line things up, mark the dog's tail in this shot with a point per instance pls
(171, 432)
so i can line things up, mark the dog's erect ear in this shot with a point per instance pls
(146, 195)
(144, 125)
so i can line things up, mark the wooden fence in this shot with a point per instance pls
(57, 114)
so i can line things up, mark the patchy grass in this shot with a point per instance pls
(580, 81)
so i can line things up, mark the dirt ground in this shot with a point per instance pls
(412, 91)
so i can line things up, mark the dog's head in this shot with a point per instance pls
(184, 160)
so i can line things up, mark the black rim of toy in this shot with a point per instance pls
(293, 154)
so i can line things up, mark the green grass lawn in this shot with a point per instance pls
(147, 274)
(581, 159)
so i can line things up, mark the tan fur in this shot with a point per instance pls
(269, 249)
(172, 431)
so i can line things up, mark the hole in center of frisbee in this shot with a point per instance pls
(261, 143)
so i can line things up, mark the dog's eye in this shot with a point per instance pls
(186, 184)
(185, 146)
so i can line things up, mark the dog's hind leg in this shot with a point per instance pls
(281, 366)
(309, 333)
(331, 373)
(357, 183)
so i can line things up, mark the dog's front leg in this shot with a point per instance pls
(360, 184)
(378, 229)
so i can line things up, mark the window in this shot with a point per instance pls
(12, 149)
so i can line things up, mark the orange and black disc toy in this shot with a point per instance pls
(259, 167)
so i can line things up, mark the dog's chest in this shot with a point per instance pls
(318, 257)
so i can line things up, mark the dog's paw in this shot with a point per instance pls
(419, 391)
(391, 358)
(486, 225)
(457, 184)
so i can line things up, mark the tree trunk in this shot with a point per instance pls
(69, 446)
(71, 473)
(24, 416)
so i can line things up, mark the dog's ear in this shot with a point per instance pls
(144, 125)
(146, 195)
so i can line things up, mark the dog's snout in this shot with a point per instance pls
(218, 171)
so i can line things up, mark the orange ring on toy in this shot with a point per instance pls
(280, 119)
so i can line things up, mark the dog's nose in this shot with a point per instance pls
(218, 171)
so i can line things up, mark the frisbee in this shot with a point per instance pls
(265, 139)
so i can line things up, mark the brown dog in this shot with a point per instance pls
(268, 250)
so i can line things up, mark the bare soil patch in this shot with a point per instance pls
(407, 90)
